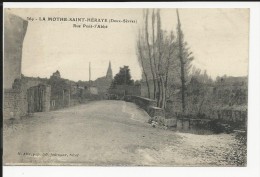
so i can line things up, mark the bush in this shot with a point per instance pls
(217, 127)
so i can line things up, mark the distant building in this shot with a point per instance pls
(93, 90)
(56, 74)
(102, 84)
(109, 75)
(60, 91)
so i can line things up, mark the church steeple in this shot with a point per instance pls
(109, 72)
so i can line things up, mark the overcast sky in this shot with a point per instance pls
(217, 37)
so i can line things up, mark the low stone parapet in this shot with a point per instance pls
(155, 111)
(14, 104)
(170, 122)
(142, 102)
(157, 114)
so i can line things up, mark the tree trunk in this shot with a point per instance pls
(149, 52)
(158, 93)
(163, 92)
(158, 90)
(166, 74)
(183, 88)
(201, 104)
(142, 63)
(159, 68)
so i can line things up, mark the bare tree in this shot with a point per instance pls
(141, 61)
(170, 57)
(149, 51)
(157, 55)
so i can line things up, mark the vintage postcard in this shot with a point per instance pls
(126, 86)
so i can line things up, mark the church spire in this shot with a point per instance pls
(109, 66)
(109, 72)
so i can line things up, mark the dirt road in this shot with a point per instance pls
(108, 133)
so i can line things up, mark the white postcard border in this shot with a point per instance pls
(252, 169)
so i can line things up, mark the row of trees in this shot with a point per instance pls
(164, 57)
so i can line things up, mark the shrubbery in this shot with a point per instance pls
(217, 127)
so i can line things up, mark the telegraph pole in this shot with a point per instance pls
(89, 68)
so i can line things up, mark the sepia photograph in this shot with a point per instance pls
(157, 87)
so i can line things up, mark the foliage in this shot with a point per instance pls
(201, 77)
(123, 77)
(164, 58)
(199, 95)
(155, 51)
(185, 58)
(57, 86)
(217, 127)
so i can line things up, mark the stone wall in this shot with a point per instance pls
(236, 115)
(38, 98)
(15, 99)
(23, 84)
(144, 103)
(15, 105)
(47, 98)
(155, 111)
(149, 105)
(60, 92)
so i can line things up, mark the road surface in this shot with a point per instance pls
(108, 133)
